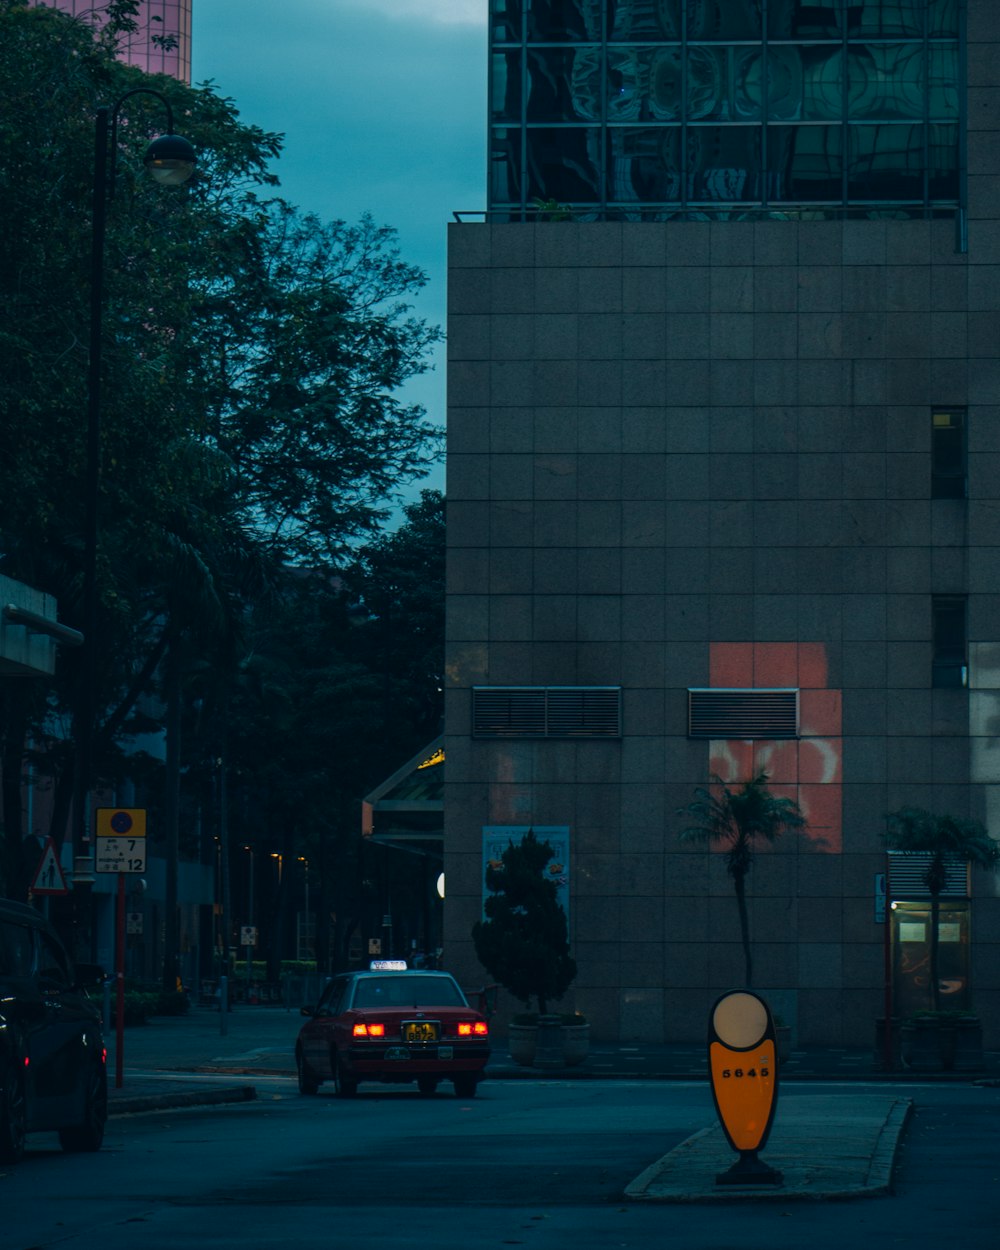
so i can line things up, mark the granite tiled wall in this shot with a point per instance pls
(668, 436)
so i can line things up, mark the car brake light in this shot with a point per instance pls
(368, 1030)
(468, 1028)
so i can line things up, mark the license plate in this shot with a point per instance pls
(420, 1031)
(397, 1052)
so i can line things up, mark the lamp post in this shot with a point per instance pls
(307, 944)
(170, 160)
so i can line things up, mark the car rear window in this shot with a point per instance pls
(408, 991)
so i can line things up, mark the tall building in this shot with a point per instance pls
(724, 492)
(161, 43)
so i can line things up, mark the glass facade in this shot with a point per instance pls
(650, 108)
(161, 42)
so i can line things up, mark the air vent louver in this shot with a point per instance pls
(546, 712)
(717, 713)
(906, 871)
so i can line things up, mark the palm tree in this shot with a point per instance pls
(739, 818)
(945, 838)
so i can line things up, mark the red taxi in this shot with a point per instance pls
(394, 1025)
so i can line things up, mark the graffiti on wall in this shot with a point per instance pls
(807, 769)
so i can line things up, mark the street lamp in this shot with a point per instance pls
(308, 944)
(170, 160)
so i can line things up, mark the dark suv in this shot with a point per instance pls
(53, 1063)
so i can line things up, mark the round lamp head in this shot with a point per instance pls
(170, 159)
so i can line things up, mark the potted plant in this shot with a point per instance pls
(930, 1040)
(523, 943)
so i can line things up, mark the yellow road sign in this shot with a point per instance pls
(121, 822)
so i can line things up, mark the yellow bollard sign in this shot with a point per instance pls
(121, 822)
(742, 1062)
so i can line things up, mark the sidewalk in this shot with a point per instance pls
(176, 1061)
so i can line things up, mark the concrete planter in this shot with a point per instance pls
(549, 1043)
(521, 1042)
(920, 1045)
(942, 1045)
(968, 1052)
(575, 1043)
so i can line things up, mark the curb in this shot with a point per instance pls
(129, 1104)
(687, 1173)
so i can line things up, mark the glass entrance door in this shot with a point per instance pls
(911, 956)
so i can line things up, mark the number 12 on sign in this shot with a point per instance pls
(120, 855)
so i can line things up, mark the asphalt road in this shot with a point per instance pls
(541, 1164)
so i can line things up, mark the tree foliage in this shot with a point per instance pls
(739, 819)
(253, 356)
(524, 942)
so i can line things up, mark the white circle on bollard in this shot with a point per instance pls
(740, 1020)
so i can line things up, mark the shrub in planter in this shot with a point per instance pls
(138, 1006)
(524, 945)
(171, 1003)
(524, 941)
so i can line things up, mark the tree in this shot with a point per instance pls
(738, 819)
(946, 839)
(340, 679)
(252, 356)
(523, 942)
(399, 582)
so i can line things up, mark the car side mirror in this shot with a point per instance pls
(89, 976)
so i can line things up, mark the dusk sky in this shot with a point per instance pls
(383, 108)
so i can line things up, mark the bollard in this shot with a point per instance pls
(743, 1066)
(223, 1004)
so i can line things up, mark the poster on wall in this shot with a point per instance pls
(497, 837)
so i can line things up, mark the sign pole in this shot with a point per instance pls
(120, 984)
(887, 1047)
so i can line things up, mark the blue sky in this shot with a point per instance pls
(383, 107)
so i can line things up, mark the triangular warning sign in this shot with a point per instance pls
(49, 879)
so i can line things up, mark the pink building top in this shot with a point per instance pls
(160, 21)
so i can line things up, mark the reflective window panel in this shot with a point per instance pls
(645, 165)
(564, 164)
(644, 84)
(886, 80)
(505, 166)
(885, 162)
(564, 84)
(505, 21)
(644, 19)
(564, 21)
(805, 163)
(724, 163)
(505, 86)
(724, 19)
